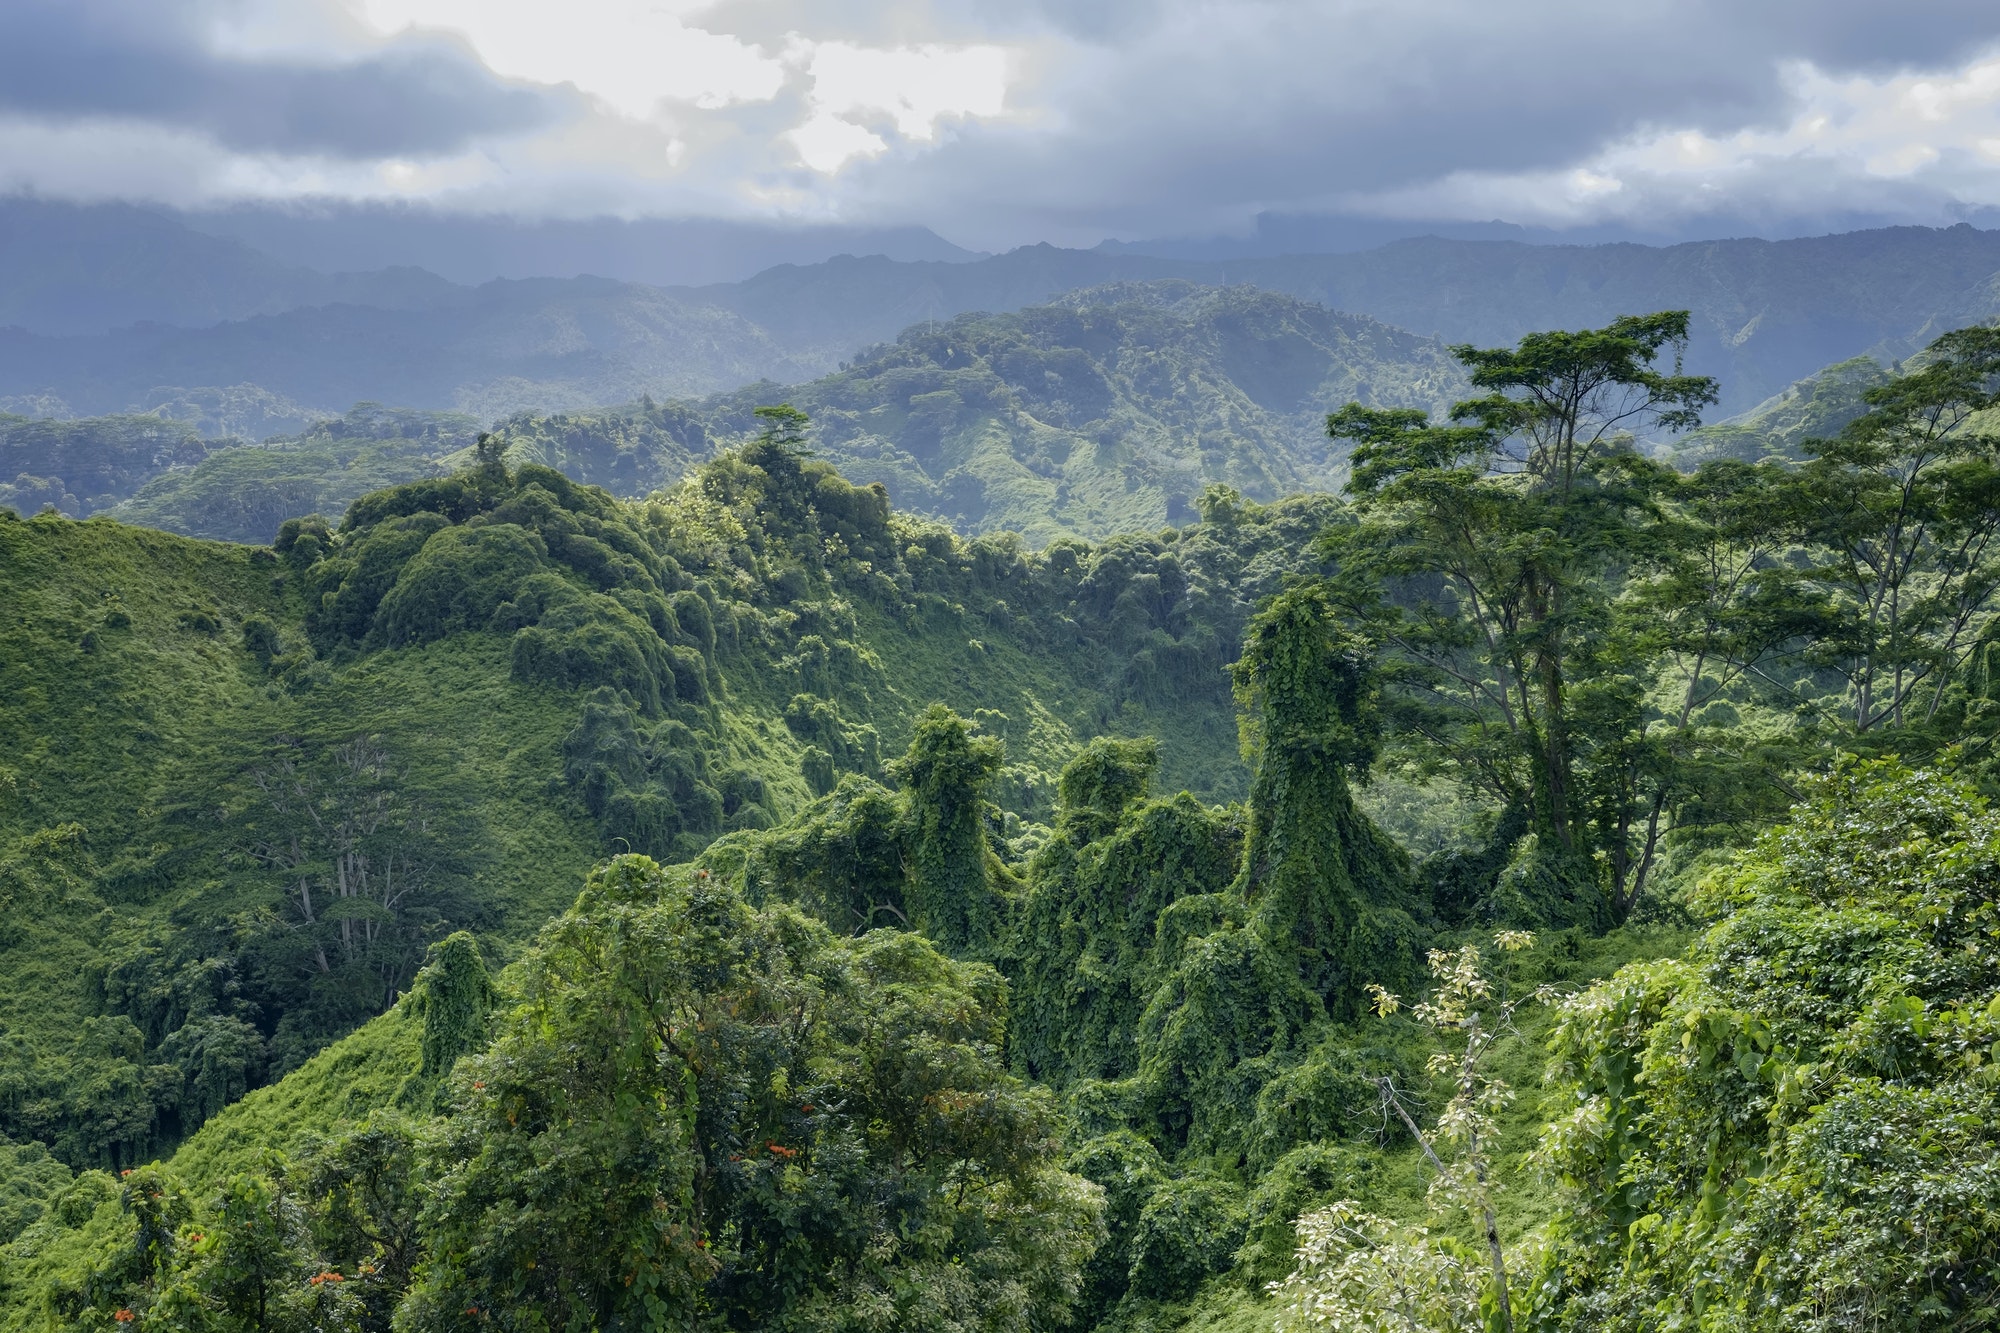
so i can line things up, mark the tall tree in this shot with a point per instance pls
(1482, 557)
(951, 892)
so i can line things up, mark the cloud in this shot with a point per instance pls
(1201, 116)
(1921, 144)
(632, 54)
(158, 62)
(1004, 121)
(915, 88)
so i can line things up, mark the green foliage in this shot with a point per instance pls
(1086, 968)
(362, 1198)
(31, 1181)
(86, 467)
(1362, 1273)
(454, 996)
(1188, 1230)
(756, 1122)
(409, 728)
(1488, 566)
(951, 895)
(1898, 512)
(1791, 1128)
(245, 493)
(1110, 410)
(1304, 1180)
(1129, 1170)
(1324, 884)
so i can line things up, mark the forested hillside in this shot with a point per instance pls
(1108, 412)
(1111, 410)
(1764, 313)
(1543, 889)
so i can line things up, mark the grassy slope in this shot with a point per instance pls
(142, 739)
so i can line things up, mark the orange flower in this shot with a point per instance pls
(125, 1316)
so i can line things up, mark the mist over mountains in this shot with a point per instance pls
(220, 313)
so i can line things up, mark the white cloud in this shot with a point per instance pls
(914, 88)
(631, 54)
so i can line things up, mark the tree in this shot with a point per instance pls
(370, 873)
(1485, 555)
(705, 1112)
(251, 1267)
(1471, 1010)
(784, 427)
(1358, 1272)
(360, 1193)
(951, 894)
(1699, 627)
(1901, 512)
(1326, 887)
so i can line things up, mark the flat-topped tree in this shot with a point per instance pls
(1493, 537)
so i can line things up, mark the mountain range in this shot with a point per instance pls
(76, 282)
(1110, 410)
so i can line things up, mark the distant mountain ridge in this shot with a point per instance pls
(67, 269)
(1110, 411)
(1766, 313)
(544, 343)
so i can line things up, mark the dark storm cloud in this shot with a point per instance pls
(152, 60)
(1176, 114)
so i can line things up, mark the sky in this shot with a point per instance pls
(1005, 122)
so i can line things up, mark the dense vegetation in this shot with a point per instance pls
(1108, 413)
(85, 467)
(953, 971)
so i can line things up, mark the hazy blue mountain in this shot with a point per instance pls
(476, 249)
(547, 344)
(1767, 313)
(73, 269)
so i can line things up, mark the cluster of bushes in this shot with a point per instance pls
(698, 1112)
